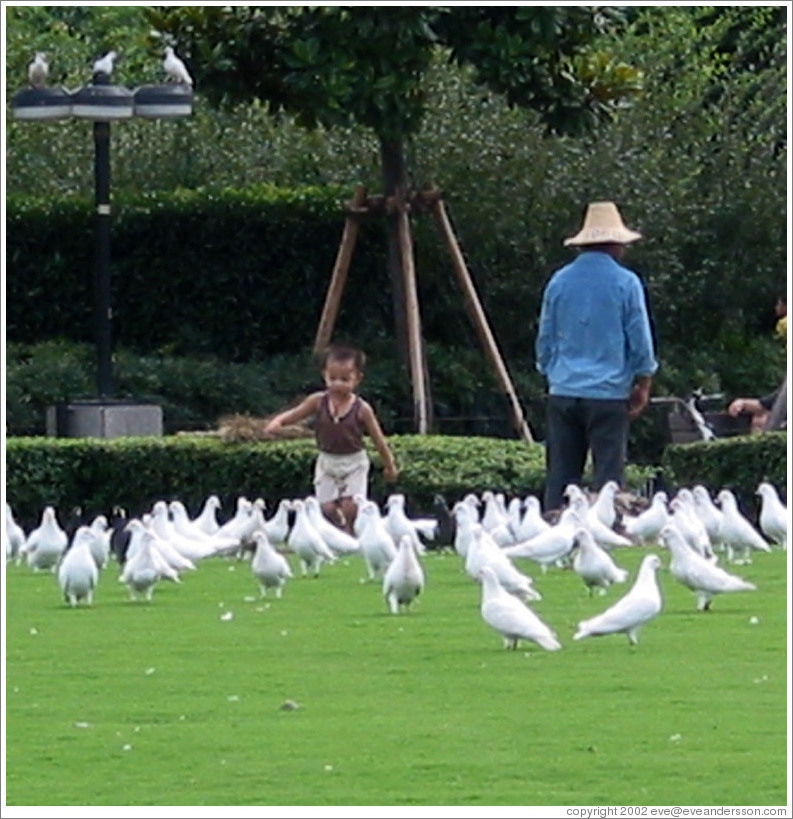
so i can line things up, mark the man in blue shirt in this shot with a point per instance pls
(595, 348)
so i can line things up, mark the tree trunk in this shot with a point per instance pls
(395, 183)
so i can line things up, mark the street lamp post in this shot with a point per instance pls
(103, 102)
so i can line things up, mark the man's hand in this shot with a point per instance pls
(639, 398)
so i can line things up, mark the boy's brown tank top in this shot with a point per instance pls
(339, 437)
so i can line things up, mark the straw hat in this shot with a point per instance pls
(602, 225)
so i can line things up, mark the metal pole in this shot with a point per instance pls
(103, 313)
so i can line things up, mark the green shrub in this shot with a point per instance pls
(738, 463)
(98, 474)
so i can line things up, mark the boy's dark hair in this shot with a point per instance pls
(340, 353)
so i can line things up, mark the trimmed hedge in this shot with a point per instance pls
(737, 463)
(98, 474)
(240, 274)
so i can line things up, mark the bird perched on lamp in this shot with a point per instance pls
(175, 68)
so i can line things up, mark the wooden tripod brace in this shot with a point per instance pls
(432, 200)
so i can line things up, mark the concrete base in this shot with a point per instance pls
(103, 419)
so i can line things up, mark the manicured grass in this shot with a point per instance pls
(167, 704)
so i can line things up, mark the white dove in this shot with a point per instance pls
(604, 535)
(511, 618)
(307, 543)
(494, 515)
(738, 534)
(552, 545)
(704, 578)
(104, 65)
(207, 520)
(239, 524)
(38, 70)
(277, 527)
(465, 516)
(399, 524)
(689, 524)
(646, 526)
(77, 572)
(337, 540)
(215, 544)
(162, 526)
(100, 546)
(403, 580)
(140, 533)
(710, 515)
(484, 551)
(377, 545)
(46, 543)
(532, 522)
(773, 514)
(13, 534)
(593, 564)
(146, 567)
(640, 605)
(603, 505)
(175, 68)
(269, 567)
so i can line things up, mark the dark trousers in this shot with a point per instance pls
(574, 426)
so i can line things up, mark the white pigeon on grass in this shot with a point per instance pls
(164, 528)
(532, 522)
(739, 535)
(270, 568)
(277, 527)
(549, 547)
(484, 551)
(603, 506)
(773, 514)
(399, 524)
(216, 544)
(704, 578)
(377, 545)
(207, 520)
(77, 572)
(465, 517)
(240, 524)
(337, 540)
(141, 533)
(46, 543)
(646, 526)
(307, 543)
(403, 581)
(175, 68)
(593, 564)
(710, 515)
(146, 567)
(100, 545)
(13, 534)
(684, 517)
(509, 617)
(632, 611)
(38, 70)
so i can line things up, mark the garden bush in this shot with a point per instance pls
(98, 474)
(738, 463)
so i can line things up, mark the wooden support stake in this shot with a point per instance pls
(413, 320)
(477, 314)
(339, 277)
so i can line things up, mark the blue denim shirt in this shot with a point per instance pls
(594, 335)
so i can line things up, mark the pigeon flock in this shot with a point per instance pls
(494, 541)
(175, 69)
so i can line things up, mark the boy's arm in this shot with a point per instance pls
(372, 426)
(308, 406)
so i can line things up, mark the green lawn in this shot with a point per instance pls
(168, 704)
